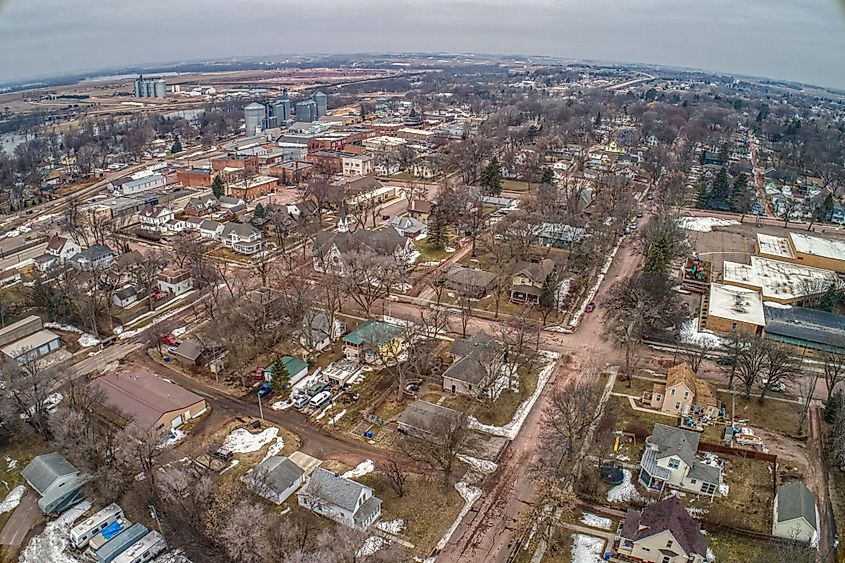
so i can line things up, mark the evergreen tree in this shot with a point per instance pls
(217, 187)
(437, 237)
(598, 119)
(829, 299)
(703, 196)
(548, 176)
(259, 211)
(721, 192)
(281, 377)
(657, 259)
(177, 146)
(740, 196)
(825, 210)
(491, 177)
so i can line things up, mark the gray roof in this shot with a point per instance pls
(93, 253)
(189, 349)
(280, 473)
(470, 369)
(704, 472)
(209, 225)
(795, 500)
(426, 416)
(408, 224)
(383, 243)
(810, 325)
(464, 347)
(335, 489)
(120, 543)
(243, 230)
(371, 506)
(675, 441)
(470, 277)
(45, 469)
(229, 200)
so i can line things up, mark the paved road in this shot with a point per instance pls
(24, 517)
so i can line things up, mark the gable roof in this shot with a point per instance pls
(470, 277)
(373, 332)
(93, 253)
(45, 469)
(427, 416)
(280, 473)
(406, 224)
(383, 242)
(536, 271)
(337, 490)
(675, 441)
(794, 500)
(242, 230)
(56, 243)
(668, 514)
(471, 369)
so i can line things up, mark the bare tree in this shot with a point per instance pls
(450, 437)
(781, 366)
(572, 409)
(370, 277)
(30, 384)
(751, 362)
(244, 534)
(465, 312)
(395, 475)
(834, 371)
(698, 352)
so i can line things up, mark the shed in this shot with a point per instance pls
(56, 481)
(275, 478)
(796, 515)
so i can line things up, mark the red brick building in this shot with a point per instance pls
(195, 177)
(220, 163)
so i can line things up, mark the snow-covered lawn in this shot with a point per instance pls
(625, 491)
(241, 441)
(12, 500)
(689, 334)
(587, 549)
(275, 448)
(366, 466)
(704, 224)
(596, 521)
(511, 429)
(470, 494)
(392, 526)
(370, 546)
(52, 544)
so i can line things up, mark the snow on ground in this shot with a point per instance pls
(241, 441)
(175, 556)
(323, 412)
(776, 305)
(51, 544)
(338, 416)
(689, 334)
(392, 526)
(511, 429)
(232, 465)
(596, 521)
(11, 463)
(704, 224)
(370, 546)
(724, 489)
(281, 405)
(85, 340)
(275, 448)
(479, 465)
(366, 466)
(710, 555)
(587, 549)
(625, 491)
(470, 494)
(449, 249)
(12, 500)
(174, 436)
(88, 340)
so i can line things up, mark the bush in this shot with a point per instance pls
(639, 429)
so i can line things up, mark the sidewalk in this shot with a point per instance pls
(24, 517)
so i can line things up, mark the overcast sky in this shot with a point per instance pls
(791, 39)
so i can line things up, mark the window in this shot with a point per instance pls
(672, 393)
(686, 394)
(674, 463)
(666, 559)
(708, 488)
(669, 543)
(677, 405)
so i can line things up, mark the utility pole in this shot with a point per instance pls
(154, 514)
(260, 409)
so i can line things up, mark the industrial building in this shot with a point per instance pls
(26, 340)
(805, 249)
(150, 87)
(254, 116)
(306, 110)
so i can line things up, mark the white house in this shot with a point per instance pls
(210, 229)
(669, 460)
(242, 238)
(316, 334)
(155, 218)
(62, 248)
(276, 478)
(175, 282)
(796, 516)
(345, 501)
(127, 296)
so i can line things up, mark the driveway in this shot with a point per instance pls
(21, 521)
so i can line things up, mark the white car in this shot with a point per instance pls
(777, 386)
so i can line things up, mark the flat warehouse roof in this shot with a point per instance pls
(777, 279)
(774, 246)
(31, 342)
(736, 304)
(817, 246)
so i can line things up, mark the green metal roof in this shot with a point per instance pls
(373, 332)
(293, 365)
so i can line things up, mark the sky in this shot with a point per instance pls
(801, 40)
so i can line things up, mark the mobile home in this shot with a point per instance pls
(82, 533)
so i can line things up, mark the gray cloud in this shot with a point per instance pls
(792, 39)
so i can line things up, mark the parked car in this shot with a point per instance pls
(776, 386)
(264, 390)
(220, 452)
(639, 214)
(320, 399)
(385, 217)
(300, 401)
(258, 374)
(724, 361)
(170, 340)
(590, 308)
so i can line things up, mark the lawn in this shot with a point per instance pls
(773, 415)
(516, 186)
(634, 386)
(749, 502)
(428, 253)
(427, 509)
(619, 410)
(731, 547)
(502, 410)
(22, 450)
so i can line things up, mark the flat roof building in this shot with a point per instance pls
(734, 308)
(779, 281)
(805, 249)
(33, 346)
(806, 328)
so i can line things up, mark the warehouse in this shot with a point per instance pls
(806, 328)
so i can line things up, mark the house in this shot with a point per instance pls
(128, 296)
(174, 281)
(528, 281)
(559, 235)
(9, 277)
(684, 394)
(295, 368)
(663, 532)
(152, 402)
(189, 352)
(343, 500)
(408, 226)
(243, 238)
(228, 202)
(469, 282)
(341, 372)
(330, 248)
(199, 206)
(210, 229)
(57, 482)
(796, 515)
(276, 478)
(669, 459)
(477, 362)
(96, 257)
(420, 209)
(316, 334)
(155, 218)
(371, 341)
(62, 248)
(424, 420)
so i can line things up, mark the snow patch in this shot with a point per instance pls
(596, 521)
(370, 546)
(11, 463)
(12, 500)
(88, 340)
(175, 556)
(689, 334)
(366, 466)
(511, 429)
(479, 465)
(625, 491)
(392, 526)
(587, 549)
(281, 405)
(52, 544)
(174, 436)
(275, 448)
(704, 224)
(776, 305)
(241, 441)
(231, 465)
(338, 416)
